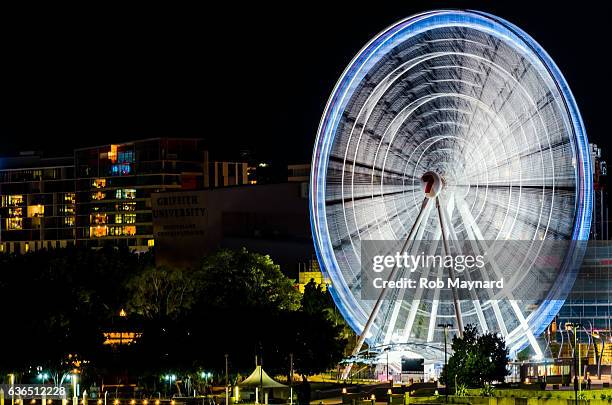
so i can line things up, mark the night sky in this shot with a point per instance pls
(242, 77)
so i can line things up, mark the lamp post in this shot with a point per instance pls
(291, 378)
(387, 368)
(12, 376)
(577, 383)
(445, 326)
(75, 393)
(226, 380)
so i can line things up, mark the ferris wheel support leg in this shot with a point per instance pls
(469, 222)
(475, 299)
(379, 301)
(398, 302)
(515, 308)
(447, 251)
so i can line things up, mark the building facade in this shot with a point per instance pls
(100, 194)
(590, 300)
(37, 203)
(270, 219)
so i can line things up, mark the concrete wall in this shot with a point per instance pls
(270, 219)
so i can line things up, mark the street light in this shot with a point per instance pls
(445, 326)
(170, 378)
(577, 383)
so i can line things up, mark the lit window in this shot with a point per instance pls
(67, 209)
(121, 169)
(126, 206)
(98, 195)
(97, 231)
(129, 218)
(122, 230)
(69, 198)
(126, 156)
(14, 224)
(98, 218)
(120, 338)
(151, 243)
(115, 231)
(125, 194)
(69, 221)
(12, 200)
(125, 218)
(36, 211)
(112, 153)
(99, 183)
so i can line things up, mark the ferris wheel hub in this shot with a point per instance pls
(432, 184)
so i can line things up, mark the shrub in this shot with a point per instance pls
(461, 390)
(486, 390)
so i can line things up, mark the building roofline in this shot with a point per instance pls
(158, 138)
(34, 168)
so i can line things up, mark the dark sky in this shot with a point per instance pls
(253, 77)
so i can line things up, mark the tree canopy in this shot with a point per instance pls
(477, 359)
(239, 303)
(59, 299)
(234, 302)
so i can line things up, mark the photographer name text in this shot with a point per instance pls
(437, 283)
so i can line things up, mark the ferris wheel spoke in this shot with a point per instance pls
(513, 303)
(521, 186)
(353, 199)
(365, 166)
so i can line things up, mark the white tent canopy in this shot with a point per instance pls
(259, 378)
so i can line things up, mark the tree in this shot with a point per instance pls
(241, 279)
(316, 343)
(69, 294)
(160, 293)
(234, 302)
(315, 299)
(477, 359)
(317, 334)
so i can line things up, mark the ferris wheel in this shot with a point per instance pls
(449, 126)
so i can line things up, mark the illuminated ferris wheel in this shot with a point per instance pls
(467, 102)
